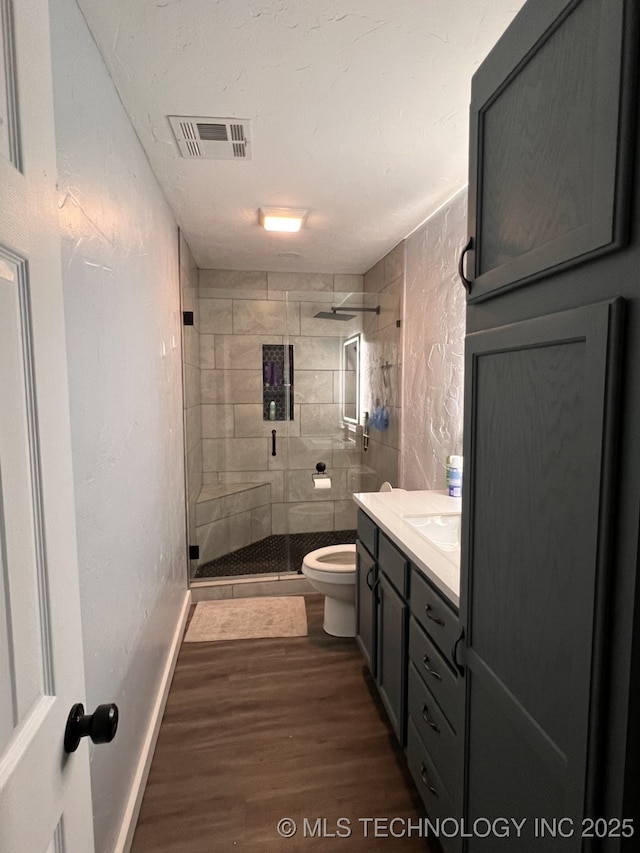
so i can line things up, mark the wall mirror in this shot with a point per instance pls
(351, 380)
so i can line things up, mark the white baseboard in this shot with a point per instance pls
(130, 819)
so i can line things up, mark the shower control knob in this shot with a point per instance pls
(101, 726)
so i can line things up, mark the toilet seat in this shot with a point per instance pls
(333, 559)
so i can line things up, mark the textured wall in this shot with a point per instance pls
(122, 309)
(434, 329)
(381, 367)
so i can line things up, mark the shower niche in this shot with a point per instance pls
(277, 382)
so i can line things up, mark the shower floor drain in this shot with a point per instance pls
(278, 553)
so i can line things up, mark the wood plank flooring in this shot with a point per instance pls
(260, 730)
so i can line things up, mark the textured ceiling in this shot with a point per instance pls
(358, 110)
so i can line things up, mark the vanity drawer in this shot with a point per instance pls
(394, 564)
(436, 673)
(436, 617)
(368, 533)
(436, 733)
(429, 784)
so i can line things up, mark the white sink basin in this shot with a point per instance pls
(441, 530)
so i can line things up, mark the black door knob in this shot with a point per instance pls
(101, 726)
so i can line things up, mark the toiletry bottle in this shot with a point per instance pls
(454, 476)
(272, 410)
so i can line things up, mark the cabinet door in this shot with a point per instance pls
(539, 440)
(551, 108)
(393, 615)
(365, 605)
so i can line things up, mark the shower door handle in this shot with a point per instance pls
(273, 442)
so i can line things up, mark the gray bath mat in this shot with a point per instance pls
(248, 618)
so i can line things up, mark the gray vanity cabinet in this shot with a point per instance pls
(549, 571)
(392, 626)
(366, 580)
(382, 617)
(435, 729)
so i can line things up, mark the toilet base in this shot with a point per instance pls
(339, 618)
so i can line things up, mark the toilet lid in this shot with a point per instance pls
(335, 558)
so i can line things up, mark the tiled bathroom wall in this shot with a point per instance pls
(191, 382)
(434, 329)
(239, 312)
(381, 368)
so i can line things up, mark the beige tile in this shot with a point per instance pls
(261, 317)
(394, 264)
(207, 352)
(299, 486)
(191, 345)
(232, 284)
(231, 386)
(211, 591)
(191, 386)
(260, 523)
(193, 427)
(316, 353)
(250, 423)
(317, 327)
(217, 421)
(224, 536)
(374, 278)
(216, 316)
(310, 517)
(303, 453)
(314, 386)
(274, 478)
(234, 454)
(348, 283)
(285, 585)
(212, 506)
(300, 281)
(346, 515)
(320, 419)
(240, 352)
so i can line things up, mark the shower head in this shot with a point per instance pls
(332, 315)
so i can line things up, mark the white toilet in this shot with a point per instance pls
(332, 571)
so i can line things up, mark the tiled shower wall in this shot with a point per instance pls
(191, 382)
(434, 329)
(381, 367)
(238, 313)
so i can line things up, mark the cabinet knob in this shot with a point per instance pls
(426, 660)
(425, 778)
(428, 720)
(428, 609)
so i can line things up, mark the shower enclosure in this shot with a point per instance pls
(270, 391)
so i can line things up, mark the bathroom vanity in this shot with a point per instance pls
(407, 626)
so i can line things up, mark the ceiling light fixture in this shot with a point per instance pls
(281, 218)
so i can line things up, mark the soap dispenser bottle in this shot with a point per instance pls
(272, 410)
(454, 476)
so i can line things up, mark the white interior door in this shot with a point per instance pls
(45, 801)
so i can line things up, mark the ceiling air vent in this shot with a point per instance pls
(212, 138)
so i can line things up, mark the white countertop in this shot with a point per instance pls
(389, 510)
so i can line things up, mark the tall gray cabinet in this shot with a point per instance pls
(551, 498)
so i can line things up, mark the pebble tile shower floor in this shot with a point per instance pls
(278, 553)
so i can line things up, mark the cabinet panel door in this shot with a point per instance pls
(391, 676)
(550, 134)
(365, 605)
(539, 441)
